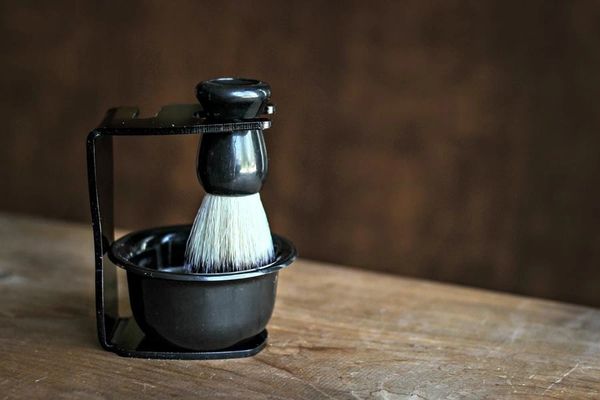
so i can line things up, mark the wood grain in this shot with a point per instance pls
(336, 333)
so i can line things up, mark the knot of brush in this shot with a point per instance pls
(231, 231)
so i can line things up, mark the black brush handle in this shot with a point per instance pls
(233, 163)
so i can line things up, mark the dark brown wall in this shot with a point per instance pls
(451, 140)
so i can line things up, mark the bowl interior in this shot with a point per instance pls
(160, 252)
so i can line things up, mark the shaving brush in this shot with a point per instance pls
(231, 231)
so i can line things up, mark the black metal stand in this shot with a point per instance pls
(122, 335)
(129, 341)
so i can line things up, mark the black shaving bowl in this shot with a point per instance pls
(202, 312)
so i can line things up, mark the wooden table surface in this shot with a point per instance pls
(336, 333)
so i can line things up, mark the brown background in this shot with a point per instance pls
(456, 141)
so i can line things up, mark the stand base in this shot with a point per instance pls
(129, 341)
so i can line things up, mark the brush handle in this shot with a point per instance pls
(233, 99)
(233, 163)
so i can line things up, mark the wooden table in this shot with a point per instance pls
(336, 333)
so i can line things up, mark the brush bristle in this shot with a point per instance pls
(230, 233)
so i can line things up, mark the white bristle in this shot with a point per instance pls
(230, 233)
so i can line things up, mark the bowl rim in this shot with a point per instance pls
(285, 254)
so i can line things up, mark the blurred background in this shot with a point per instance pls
(452, 140)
